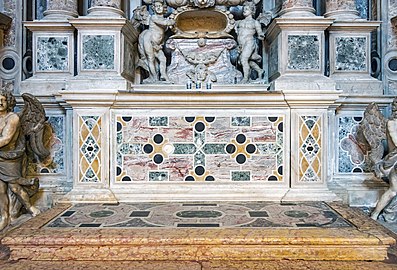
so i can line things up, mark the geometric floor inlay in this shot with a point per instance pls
(200, 215)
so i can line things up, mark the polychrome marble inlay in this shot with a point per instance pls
(199, 148)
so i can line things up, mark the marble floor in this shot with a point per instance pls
(200, 215)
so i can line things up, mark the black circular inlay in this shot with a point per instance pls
(280, 170)
(190, 119)
(158, 138)
(189, 178)
(118, 171)
(199, 170)
(357, 170)
(44, 170)
(126, 179)
(29, 65)
(272, 178)
(199, 126)
(8, 63)
(126, 118)
(209, 178)
(90, 148)
(280, 127)
(158, 158)
(250, 148)
(148, 148)
(393, 64)
(230, 148)
(209, 119)
(119, 126)
(241, 138)
(357, 119)
(310, 148)
(241, 159)
(272, 119)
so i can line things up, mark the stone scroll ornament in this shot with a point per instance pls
(23, 136)
(374, 130)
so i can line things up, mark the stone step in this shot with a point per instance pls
(366, 240)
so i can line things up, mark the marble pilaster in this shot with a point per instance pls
(297, 8)
(5, 22)
(60, 9)
(105, 8)
(341, 9)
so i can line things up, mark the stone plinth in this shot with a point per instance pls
(350, 57)
(60, 10)
(297, 8)
(221, 66)
(341, 10)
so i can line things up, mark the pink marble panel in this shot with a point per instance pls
(178, 167)
(137, 166)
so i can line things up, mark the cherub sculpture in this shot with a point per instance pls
(151, 41)
(248, 30)
(21, 134)
(375, 129)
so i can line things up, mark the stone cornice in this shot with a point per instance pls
(48, 25)
(355, 26)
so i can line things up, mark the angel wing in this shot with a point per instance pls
(35, 127)
(374, 128)
(141, 15)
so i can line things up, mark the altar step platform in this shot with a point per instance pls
(219, 233)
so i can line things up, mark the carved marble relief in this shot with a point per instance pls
(198, 148)
(351, 53)
(52, 54)
(70, 5)
(109, 3)
(10, 9)
(98, 52)
(297, 3)
(303, 52)
(333, 5)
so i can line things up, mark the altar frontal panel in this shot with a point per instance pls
(197, 147)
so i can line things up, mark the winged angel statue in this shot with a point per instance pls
(381, 134)
(21, 134)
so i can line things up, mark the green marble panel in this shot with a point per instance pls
(241, 121)
(184, 149)
(241, 175)
(158, 176)
(214, 148)
(158, 121)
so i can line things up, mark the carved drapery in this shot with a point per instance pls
(341, 9)
(59, 9)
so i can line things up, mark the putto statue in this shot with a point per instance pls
(151, 41)
(23, 134)
(374, 130)
(248, 30)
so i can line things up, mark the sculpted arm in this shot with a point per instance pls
(258, 28)
(9, 129)
(162, 21)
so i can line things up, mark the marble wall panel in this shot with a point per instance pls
(352, 156)
(57, 164)
(98, 52)
(10, 35)
(199, 148)
(90, 149)
(273, 58)
(41, 6)
(363, 8)
(310, 143)
(52, 54)
(351, 53)
(303, 52)
(392, 29)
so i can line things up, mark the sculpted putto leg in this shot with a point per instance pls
(387, 196)
(4, 205)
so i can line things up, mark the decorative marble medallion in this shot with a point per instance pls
(98, 52)
(199, 148)
(352, 157)
(310, 148)
(303, 52)
(351, 53)
(90, 148)
(200, 214)
(52, 54)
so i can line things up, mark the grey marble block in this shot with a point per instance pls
(52, 54)
(350, 53)
(362, 7)
(273, 58)
(98, 52)
(303, 52)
